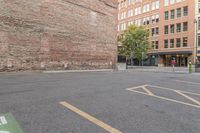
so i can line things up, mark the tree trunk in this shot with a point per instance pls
(131, 61)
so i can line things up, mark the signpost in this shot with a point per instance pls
(8, 124)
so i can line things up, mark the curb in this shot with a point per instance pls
(79, 71)
(176, 72)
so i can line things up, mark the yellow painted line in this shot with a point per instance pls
(90, 118)
(164, 88)
(188, 82)
(133, 88)
(139, 92)
(148, 91)
(141, 87)
(168, 99)
(197, 94)
(191, 99)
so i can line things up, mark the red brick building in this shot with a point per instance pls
(55, 34)
(171, 25)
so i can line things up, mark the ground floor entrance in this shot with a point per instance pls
(181, 60)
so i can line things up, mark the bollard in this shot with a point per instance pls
(190, 67)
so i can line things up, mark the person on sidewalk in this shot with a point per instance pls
(173, 62)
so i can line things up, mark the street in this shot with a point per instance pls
(101, 102)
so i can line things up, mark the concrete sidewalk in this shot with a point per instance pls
(183, 70)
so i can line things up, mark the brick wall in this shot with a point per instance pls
(57, 34)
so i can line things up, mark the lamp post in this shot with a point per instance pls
(196, 47)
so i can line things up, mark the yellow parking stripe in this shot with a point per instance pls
(90, 118)
(167, 99)
(188, 82)
(186, 96)
(182, 93)
(164, 88)
(148, 91)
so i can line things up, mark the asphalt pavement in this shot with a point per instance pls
(101, 102)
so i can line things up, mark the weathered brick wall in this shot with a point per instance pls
(57, 34)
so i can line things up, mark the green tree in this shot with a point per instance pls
(135, 43)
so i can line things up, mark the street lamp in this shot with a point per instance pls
(196, 56)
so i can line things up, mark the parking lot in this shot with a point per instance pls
(101, 102)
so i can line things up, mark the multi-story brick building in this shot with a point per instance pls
(171, 25)
(197, 19)
(58, 34)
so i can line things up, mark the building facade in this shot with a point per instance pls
(58, 34)
(197, 11)
(171, 24)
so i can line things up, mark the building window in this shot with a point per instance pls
(198, 40)
(178, 42)
(171, 43)
(130, 2)
(152, 32)
(185, 41)
(130, 23)
(157, 30)
(157, 4)
(178, 11)
(123, 15)
(199, 23)
(166, 2)
(166, 15)
(153, 19)
(199, 7)
(178, 27)
(148, 19)
(130, 13)
(138, 22)
(124, 3)
(185, 11)
(165, 43)
(156, 45)
(166, 29)
(123, 26)
(172, 1)
(172, 28)
(137, 10)
(153, 7)
(153, 45)
(157, 18)
(172, 14)
(146, 8)
(185, 26)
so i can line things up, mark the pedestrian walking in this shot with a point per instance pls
(173, 62)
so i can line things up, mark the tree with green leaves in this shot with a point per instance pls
(135, 43)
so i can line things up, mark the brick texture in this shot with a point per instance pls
(57, 34)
